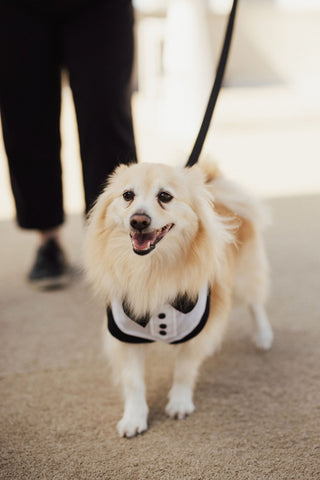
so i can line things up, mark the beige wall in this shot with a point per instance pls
(271, 44)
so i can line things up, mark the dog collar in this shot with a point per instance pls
(168, 325)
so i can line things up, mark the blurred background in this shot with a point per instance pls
(266, 127)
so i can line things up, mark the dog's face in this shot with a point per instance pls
(153, 206)
(154, 230)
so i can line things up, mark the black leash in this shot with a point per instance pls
(215, 90)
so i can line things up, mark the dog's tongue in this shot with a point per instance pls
(142, 241)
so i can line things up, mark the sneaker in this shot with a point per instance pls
(50, 269)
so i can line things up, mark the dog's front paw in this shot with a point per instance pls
(180, 402)
(131, 425)
(179, 409)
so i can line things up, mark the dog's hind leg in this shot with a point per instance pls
(263, 334)
(128, 368)
(251, 288)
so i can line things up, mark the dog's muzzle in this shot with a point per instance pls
(144, 240)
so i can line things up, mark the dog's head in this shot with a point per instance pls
(152, 217)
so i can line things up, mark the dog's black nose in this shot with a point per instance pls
(140, 221)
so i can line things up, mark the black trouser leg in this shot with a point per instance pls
(96, 43)
(30, 111)
(98, 51)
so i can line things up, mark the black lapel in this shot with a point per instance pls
(117, 333)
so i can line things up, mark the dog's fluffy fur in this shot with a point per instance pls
(215, 238)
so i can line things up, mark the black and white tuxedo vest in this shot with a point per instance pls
(168, 325)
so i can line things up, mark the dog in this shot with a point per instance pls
(170, 249)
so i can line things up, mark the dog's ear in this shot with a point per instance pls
(119, 169)
(105, 198)
(210, 170)
(98, 212)
(99, 209)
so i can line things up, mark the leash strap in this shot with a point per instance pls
(215, 90)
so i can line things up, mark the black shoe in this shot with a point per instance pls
(50, 269)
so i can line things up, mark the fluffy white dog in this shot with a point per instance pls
(170, 249)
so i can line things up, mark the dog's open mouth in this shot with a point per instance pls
(143, 243)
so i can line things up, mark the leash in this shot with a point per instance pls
(194, 156)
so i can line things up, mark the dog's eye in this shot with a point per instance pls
(165, 197)
(128, 195)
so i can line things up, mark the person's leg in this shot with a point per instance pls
(98, 49)
(30, 113)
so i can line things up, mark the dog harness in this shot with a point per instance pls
(168, 325)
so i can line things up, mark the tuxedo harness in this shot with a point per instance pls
(168, 325)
